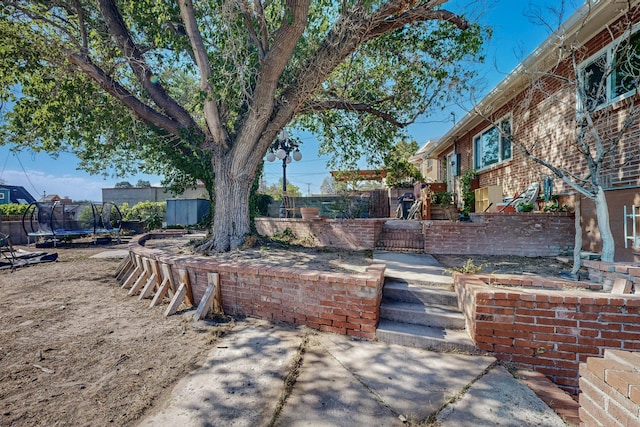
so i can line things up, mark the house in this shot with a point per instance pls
(52, 198)
(591, 63)
(15, 194)
(423, 161)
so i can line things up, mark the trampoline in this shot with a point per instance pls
(55, 221)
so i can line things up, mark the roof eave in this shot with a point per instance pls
(577, 26)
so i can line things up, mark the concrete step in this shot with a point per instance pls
(432, 338)
(401, 250)
(402, 224)
(420, 314)
(405, 292)
(400, 246)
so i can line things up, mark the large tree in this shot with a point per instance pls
(201, 90)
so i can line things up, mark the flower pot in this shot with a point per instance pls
(309, 213)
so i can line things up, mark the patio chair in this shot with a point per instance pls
(530, 195)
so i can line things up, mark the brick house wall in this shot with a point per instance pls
(541, 122)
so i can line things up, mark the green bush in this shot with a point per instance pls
(152, 214)
(442, 198)
(13, 209)
(262, 202)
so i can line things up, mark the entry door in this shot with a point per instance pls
(449, 178)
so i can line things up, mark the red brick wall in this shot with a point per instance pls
(548, 331)
(524, 234)
(607, 272)
(610, 390)
(343, 303)
(342, 233)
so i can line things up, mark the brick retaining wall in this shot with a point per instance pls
(610, 390)
(522, 234)
(343, 303)
(341, 233)
(607, 272)
(544, 329)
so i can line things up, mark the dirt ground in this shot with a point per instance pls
(75, 349)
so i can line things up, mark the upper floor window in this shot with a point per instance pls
(611, 74)
(492, 146)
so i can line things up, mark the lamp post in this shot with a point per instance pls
(284, 149)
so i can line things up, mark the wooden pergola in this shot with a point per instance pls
(359, 175)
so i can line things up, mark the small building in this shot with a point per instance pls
(15, 194)
(135, 195)
(5, 196)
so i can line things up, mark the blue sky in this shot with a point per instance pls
(514, 37)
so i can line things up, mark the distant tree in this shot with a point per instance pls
(328, 186)
(401, 173)
(143, 183)
(275, 190)
(123, 184)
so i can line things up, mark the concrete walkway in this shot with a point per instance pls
(344, 382)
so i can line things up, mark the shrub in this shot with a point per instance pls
(441, 198)
(467, 268)
(13, 209)
(151, 214)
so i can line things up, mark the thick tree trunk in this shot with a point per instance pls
(602, 215)
(231, 221)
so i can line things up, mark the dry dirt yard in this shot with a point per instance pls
(76, 350)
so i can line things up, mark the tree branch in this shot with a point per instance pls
(422, 14)
(83, 28)
(252, 32)
(357, 107)
(140, 68)
(264, 32)
(211, 110)
(140, 109)
(355, 27)
(261, 105)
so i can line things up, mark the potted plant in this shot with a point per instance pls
(525, 207)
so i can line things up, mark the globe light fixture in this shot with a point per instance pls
(286, 150)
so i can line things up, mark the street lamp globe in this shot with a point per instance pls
(281, 153)
(271, 157)
(297, 155)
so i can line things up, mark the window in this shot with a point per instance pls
(611, 74)
(626, 71)
(492, 146)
